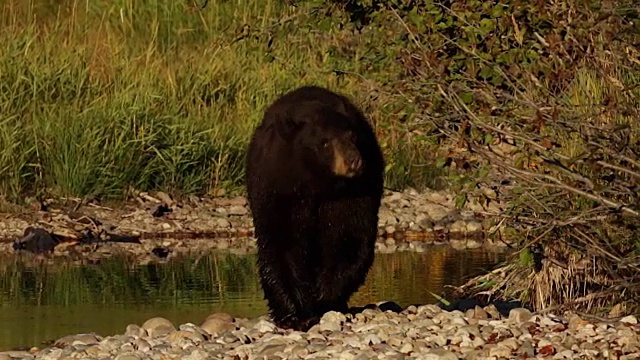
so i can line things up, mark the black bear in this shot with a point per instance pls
(314, 179)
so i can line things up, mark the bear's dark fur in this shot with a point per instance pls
(314, 181)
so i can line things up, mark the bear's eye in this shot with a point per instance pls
(325, 143)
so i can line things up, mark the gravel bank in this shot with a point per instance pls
(424, 332)
(408, 221)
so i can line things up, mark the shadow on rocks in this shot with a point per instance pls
(503, 307)
(384, 306)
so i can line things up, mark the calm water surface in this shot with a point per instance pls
(45, 302)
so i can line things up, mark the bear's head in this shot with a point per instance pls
(324, 138)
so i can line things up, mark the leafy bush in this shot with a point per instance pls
(536, 104)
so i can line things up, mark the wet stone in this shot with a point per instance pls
(158, 326)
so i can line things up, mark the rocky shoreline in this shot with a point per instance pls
(409, 221)
(417, 332)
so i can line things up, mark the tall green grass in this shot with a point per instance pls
(101, 98)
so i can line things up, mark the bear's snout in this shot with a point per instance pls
(355, 166)
(347, 161)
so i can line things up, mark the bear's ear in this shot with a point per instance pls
(288, 124)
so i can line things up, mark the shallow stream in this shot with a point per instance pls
(39, 303)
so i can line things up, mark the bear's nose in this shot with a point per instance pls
(356, 164)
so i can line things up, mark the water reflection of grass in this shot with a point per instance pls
(225, 279)
(119, 281)
(408, 278)
(42, 301)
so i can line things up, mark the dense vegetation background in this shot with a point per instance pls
(532, 103)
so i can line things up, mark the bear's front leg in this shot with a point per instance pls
(349, 232)
(302, 260)
(285, 293)
(339, 281)
(287, 260)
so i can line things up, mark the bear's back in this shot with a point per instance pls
(307, 97)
